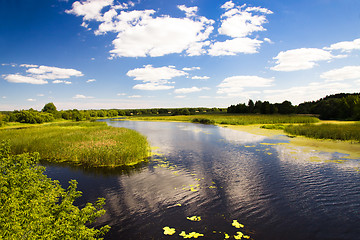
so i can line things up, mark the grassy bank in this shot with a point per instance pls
(233, 119)
(85, 143)
(345, 132)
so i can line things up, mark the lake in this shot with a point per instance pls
(274, 189)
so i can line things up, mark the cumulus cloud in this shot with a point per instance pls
(239, 22)
(155, 78)
(234, 86)
(340, 74)
(40, 74)
(300, 59)
(142, 33)
(80, 96)
(31, 100)
(189, 90)
(90, 9)
(134, 96)
(345, 46)
(91, 80)
(235, 46)
(17, 78)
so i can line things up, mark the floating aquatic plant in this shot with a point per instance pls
(191, 235)
(169, 231)
(236, 224)
(194, 218)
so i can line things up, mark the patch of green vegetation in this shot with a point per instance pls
(234, 119)
(327, 131)
(32, 206)
(92, 144)
(203, 121)
(273, 126)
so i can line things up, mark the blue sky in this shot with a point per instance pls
(94, 54)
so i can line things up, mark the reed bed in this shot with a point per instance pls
(234, 119)
(345, 132)
(88, 144)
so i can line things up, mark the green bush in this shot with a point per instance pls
(32, 206)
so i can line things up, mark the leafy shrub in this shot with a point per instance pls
(202, 121)
(32, 206)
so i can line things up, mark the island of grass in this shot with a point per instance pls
(89, 144)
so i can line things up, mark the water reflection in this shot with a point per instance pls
(221, 175)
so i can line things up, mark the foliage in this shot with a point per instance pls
(262, 107)
(49, 108)
(349, 131)
(84, 143)
(237, 119)
(30, 116)
(33, 206)
(202, 121)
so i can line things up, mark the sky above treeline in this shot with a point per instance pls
(102, 54)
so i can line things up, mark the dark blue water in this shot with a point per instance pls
(277, 191)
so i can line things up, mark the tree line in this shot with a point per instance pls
(49, 113)
(342, 106)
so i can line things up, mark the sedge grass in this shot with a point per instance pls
(232, 119)
(344, 132)
(88, 144)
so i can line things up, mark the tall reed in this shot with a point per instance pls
(89, 144)
(327, 131)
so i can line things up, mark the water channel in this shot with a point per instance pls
(275, 190)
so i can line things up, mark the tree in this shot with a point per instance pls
(49, 108)
(32, 206)
(251, 106)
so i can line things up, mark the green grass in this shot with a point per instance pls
(233, 119)
(84, 143)
(327, 131)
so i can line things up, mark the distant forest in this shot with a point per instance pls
(343, 106)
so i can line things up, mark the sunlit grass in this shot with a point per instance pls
(327, 131)
(85, 143)
(233, 119)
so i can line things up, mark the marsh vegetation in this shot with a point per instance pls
(80, 143)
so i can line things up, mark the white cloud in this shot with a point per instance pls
(80, 96)
(188, 90)
(121, 94)
(152, 86)
(241, 22)
(191, 68)
(310, 92)
(200, 77)
(155, 78)
(40, 74)
(90, 9)
(29, 65)
(62, 81)
(3, 97)
(345, 46)
(91, 80)
(40, 95)
(17, 78)
(233, 86)
(340, 74)
(234, 46)
(189, 11)
(46, 72)
(134, 96)
(268, 40)
(160, 36)
(300, 59)
(228, 5)
(31, 100)
(142, 33)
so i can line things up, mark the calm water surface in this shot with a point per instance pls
(275, 190)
